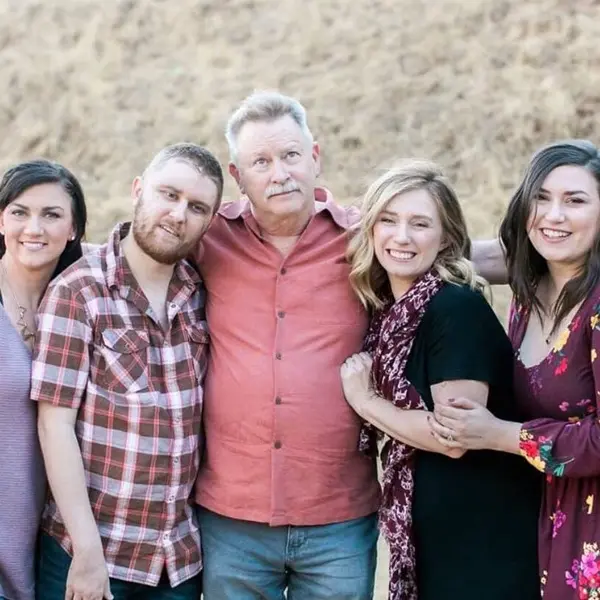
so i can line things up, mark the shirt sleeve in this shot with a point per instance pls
(464, 339)
(566, 448)
(61, 354)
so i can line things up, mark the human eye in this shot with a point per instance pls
(198, 209)
(575, 200)
(421, 224)
(169, 194)
(292, 154)
(53, 215)
(17, 212)
(385, 219)
(260, 162)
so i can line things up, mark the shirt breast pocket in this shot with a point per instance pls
(125, 356)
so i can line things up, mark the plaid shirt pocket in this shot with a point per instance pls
(124, 354)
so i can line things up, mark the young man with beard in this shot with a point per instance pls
(117, 372)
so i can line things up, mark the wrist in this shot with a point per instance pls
(505, 436)
(90, 545)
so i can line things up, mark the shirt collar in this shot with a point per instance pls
(324, 203)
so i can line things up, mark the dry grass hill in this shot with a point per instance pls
(475, 84)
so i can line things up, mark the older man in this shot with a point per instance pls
(287, 499)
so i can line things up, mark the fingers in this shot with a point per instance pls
(463, 403)
(441, 430)
(445, 413)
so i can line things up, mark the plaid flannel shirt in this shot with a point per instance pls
(138, 393)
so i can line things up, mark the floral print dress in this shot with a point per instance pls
(560, 398)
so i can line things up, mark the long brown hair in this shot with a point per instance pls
(526, 266)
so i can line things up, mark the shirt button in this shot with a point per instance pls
(278, 355)
(176, 460)
(277, 445)
(173, 305)
(283, 270)
(171, 498)
(281, 314)
(278, 400)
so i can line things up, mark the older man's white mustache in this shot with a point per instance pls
(281, 189)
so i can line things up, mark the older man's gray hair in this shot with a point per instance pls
(264, 106)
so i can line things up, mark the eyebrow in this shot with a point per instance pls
(568, 192)
(43, 207)
(166, 186)
(395, 214)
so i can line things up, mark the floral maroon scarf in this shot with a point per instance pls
(389, 341)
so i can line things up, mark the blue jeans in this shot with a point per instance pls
(53, 569)
(253, 561)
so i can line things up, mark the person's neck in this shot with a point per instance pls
(288, 226)
(145, 268)
(28, 285)
(400, 287)
(556, 279)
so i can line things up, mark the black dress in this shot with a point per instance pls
(475, 518)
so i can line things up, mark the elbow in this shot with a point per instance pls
(455, 452)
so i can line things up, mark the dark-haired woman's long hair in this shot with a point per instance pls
(26, 175)
(526, 266)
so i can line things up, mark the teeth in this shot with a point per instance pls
(401, 255)
(169, 230)
(33, 245)
(554, 233)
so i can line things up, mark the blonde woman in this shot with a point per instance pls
(458, 525)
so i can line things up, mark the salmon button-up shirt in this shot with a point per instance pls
(138, 391)
(281, 441)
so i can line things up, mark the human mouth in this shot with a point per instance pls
(170, 231)
(554, 234)
(401, 254)
(33, 246)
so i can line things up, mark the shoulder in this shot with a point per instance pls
(83, 278)
(459, 300)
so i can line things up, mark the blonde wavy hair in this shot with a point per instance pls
(367, 276)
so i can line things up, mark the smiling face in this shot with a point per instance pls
(174, 205)
(565, 217)
(276, 167)
(407, 237)
(37, 226)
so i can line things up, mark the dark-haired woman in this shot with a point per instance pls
(552, 237)
(42, 222)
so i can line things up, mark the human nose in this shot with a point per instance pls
(34, 226)
(179, 211)
(555, 211)
(279, 173)
(401, 234)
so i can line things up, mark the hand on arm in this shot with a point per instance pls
(407, 426)
(467, 423)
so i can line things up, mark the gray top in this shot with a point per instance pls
(22, 478)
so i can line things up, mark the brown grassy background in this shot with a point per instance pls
(475, 84)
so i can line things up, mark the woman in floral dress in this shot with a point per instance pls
(552, 238)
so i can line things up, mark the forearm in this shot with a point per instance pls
(66, 476)
(407, 426)
(489, 261)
